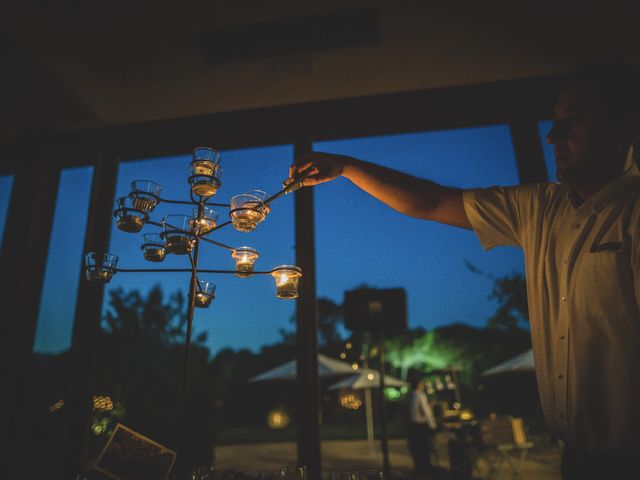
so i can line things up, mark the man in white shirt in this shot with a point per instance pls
(581, 240)
(422, 425)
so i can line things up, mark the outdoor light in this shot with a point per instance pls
(177, 232)
(278, 418)
(350, 401)
(145, 195)
(205, 172)
(245, 258)
(183, 234)
(205, 294)
(206, 222)
(286, 277)
(100, 268)
(153, 247)
(247, 210)
(128, 218)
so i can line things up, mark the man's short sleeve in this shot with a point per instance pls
(494, 215)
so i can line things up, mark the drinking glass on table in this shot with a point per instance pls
(293, 472)
(357, 475)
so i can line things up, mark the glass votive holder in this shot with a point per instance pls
(153, 247)
(286, 277)
(206, 222)
(205, 293)
(145, 195)
(128, 218)
(294, 472)
(205, 172)
(245, 258)
(247, 210)
(100, 267)
(177, 233)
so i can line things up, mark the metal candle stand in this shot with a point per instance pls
(132, 213)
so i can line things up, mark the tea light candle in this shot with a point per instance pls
(129, 223)
(96, 274)
(128, 219)
(286, 277)
(245, 258)
(178, 244)
(154, 253)
(205, 172)
(204, 221)
(100, 268)
(205, 294)
(247, 210)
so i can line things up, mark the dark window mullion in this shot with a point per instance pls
(87, 320)
(22, 266)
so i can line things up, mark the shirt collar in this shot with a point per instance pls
(610, 191)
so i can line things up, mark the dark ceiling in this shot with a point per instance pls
(76, 66)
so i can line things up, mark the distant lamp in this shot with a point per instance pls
(466, 415)
(245, 258)
(100, 268)
(350, 401)
(205, 294)
(286, 277)
(128, 218)
(278, 418)
(153, 247)
(145, 195)
(205, 172)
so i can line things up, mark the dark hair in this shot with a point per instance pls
(613, 87)
(414, 380)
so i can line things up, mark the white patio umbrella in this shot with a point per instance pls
(327, 367)
(520, 363)
(366, 379)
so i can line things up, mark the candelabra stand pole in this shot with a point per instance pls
(184, 423)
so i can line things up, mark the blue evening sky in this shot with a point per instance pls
(358, 239)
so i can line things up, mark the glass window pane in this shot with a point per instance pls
(64, 261)
(142, 344)
(6, 184)
(43, 425)
(361, 241)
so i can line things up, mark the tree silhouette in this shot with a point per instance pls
(140, 365)
(511, 293)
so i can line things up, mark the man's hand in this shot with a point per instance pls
(320, 167)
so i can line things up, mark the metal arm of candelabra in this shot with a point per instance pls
(182, 235)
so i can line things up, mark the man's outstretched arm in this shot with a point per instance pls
(410, 195)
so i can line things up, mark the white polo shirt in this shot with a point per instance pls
(583, 289)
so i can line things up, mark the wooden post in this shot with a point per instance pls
(308, 411)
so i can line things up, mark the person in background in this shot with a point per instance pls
(421, 429)
(581, 241)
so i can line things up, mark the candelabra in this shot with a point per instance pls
(183, 234)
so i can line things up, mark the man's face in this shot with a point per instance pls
(578, 139)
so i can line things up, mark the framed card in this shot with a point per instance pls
(129, 455)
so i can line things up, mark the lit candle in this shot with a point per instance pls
(204, 177)
(205, 294)
(100, 267)
(245, 258)
(96, 274)
(153, 247)
(178, 244)
(154, 253)
(286, 277)
(129, 223)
